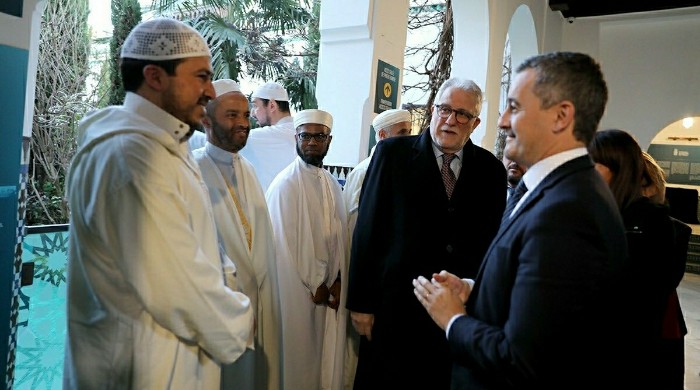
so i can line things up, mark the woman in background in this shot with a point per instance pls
(673, 328)
(653, 248)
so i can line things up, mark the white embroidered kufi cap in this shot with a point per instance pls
(271, 91)
(225, 86)
(313, 116)
(164, 39)
(390, 117)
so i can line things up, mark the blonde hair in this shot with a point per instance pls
(653, 180)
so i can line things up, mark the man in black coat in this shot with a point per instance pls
(432, 201)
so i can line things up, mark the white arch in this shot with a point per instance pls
(481, 27)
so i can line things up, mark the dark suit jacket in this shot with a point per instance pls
(407, 227)
(542, 314)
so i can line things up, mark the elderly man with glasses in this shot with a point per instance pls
(308, 219)
(429, 202)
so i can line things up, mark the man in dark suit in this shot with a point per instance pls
(547, 310)
(432, 200)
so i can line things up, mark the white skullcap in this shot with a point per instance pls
(313, 116)
(225, 86)
(163, 39)
(390, 117)
(271, 91)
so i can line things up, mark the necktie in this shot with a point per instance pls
(517, 194)
(448, 176)
(241, 214)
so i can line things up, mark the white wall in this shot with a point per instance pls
(651, 63)
(355, 34)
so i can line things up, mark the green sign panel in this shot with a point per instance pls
(680, 162)
(386, 93)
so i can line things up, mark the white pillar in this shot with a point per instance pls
(355, 35)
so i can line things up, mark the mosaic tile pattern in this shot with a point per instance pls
(41, 323)
(17, 263)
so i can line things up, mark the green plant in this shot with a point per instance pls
(60, 102)
(125, 15)
(270, 40)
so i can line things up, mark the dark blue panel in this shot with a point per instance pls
(12, 7)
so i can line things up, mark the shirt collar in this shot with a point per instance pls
(285, 120)
(439, 153)
(536, 173)
(219, 155)
(145, 108)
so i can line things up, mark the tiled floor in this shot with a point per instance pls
(689, 292)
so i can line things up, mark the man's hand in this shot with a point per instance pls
(321, 296)
(460, 287)
(362, 322)
(439, 300)
(334, 298)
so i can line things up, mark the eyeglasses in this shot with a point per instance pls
(319, 137)
(445, 111)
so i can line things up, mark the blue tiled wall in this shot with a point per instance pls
(42, 323)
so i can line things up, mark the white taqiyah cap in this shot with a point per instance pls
(225, 86)
(313, 116)
(163, 39)
(271, 91)
(390, 117)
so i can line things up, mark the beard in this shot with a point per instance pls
(312, 159)
(189, 113)
(229, 139)
(195, 127)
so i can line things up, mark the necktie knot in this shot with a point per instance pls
(448, 176)
(447, 159)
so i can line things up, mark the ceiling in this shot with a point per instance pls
(588, 8)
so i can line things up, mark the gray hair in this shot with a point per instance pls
(465, 85)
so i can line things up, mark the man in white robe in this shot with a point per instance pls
(388, 124)
(270, 148)
(308, 217)
(148, 307)
(245, 233)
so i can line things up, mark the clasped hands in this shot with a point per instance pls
(328, 295)
(443, 296)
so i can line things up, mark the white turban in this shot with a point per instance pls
(390, 117)
(225, 86)
(164, 39)
(313, 116)
(271, 91)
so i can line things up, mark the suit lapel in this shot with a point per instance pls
(466, 171)
(537, 194)
(424, 165)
